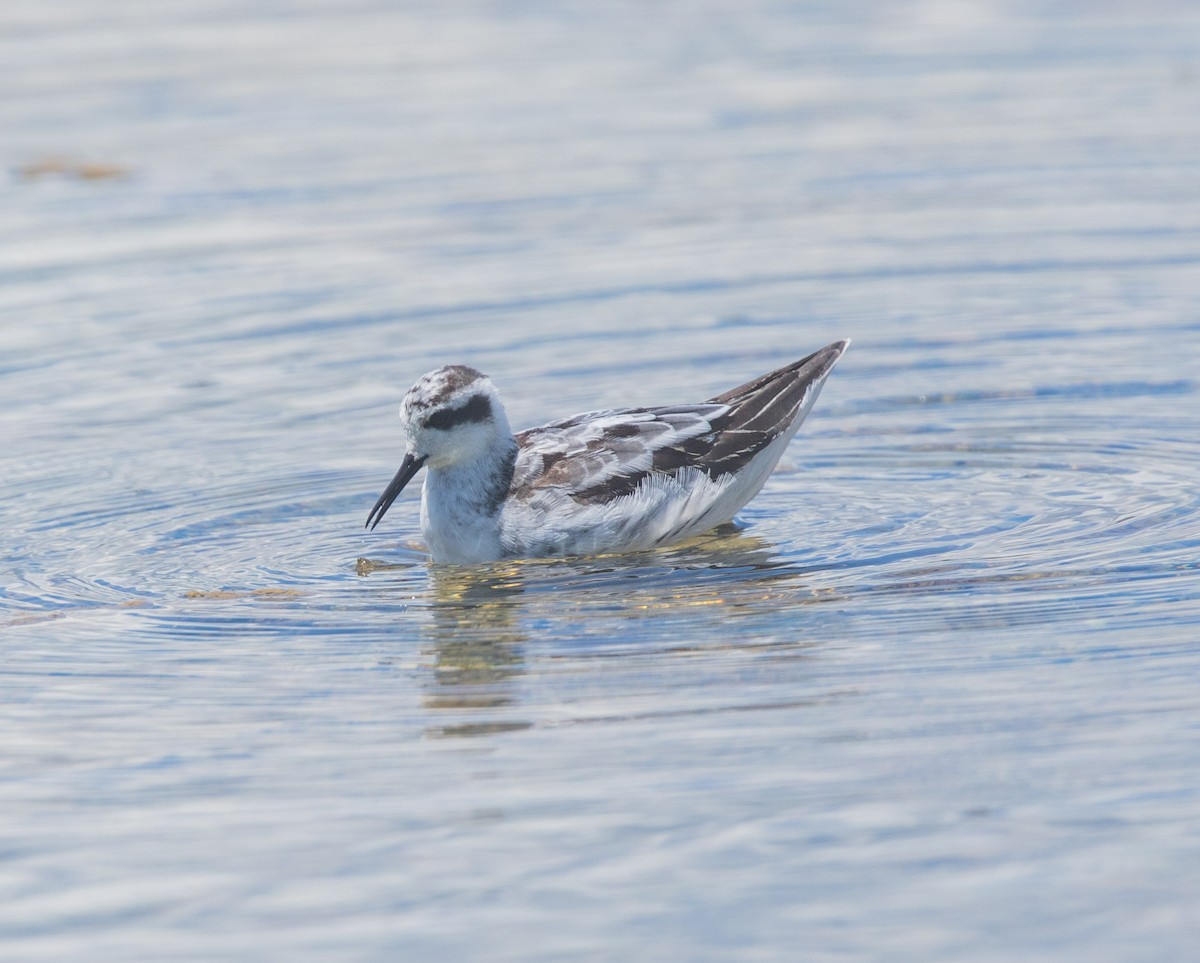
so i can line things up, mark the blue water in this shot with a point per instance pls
(934, 697)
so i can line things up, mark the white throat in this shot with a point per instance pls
(461, 503)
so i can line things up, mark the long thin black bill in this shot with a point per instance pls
(409, 467)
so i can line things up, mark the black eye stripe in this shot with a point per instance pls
(477, 408)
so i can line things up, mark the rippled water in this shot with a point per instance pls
(933, 697)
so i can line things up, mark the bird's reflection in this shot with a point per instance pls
(477, 645)
(480, 616)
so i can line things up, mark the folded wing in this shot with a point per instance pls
(600, 456)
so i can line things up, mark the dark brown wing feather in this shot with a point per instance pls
(599, 456)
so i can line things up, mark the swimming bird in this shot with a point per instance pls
(619, 480)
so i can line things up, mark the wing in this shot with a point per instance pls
(770, 407)
(601, 455)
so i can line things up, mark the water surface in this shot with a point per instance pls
(934, 696)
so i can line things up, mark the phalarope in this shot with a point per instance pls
(620, 480)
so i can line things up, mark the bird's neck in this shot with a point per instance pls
(461, 504)
(478, 485)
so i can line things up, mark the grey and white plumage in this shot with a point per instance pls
(620, 480)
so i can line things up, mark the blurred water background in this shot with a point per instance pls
(935, 699)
